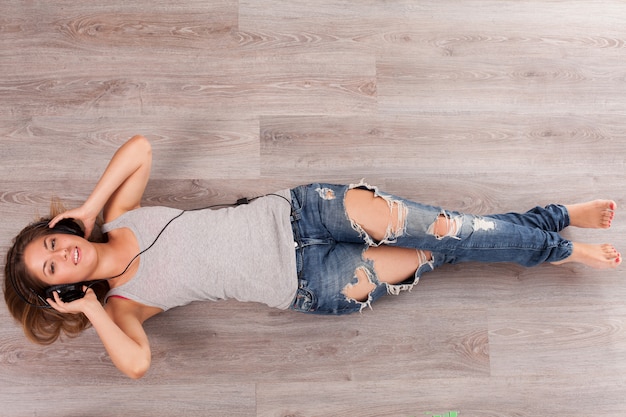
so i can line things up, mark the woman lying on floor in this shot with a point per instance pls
(319, 248)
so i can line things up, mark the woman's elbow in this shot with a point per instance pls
(143, 143)
(137, 372)
(137, 369)
(141, 150)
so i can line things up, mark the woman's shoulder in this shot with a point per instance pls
(139, 214)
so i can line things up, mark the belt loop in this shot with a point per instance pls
(295, 206)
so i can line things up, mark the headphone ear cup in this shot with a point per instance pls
(67, 292)
(68, 227)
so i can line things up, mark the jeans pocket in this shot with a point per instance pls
(304, 301)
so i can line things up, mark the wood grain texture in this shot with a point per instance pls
(479, 106)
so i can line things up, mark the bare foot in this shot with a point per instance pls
(596, 214)
(596, 256)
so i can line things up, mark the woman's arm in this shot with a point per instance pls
(120, 187)
(122, 334)
(119, 326)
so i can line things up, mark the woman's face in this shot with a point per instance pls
(60, 259)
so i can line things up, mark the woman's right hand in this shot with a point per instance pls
(82, 213)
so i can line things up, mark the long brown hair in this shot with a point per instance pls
(41, 325)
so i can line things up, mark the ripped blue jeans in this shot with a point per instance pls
(330, 246)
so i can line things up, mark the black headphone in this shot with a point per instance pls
(67, 292)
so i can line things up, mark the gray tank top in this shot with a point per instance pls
(245, 252)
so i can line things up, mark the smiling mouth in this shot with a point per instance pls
(76, 255)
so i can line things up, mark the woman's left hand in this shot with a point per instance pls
(76, 306)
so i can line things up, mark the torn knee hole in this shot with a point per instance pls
(445, 226)
(396, 223)
(360, 290)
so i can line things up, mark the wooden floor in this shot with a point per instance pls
(481, 106)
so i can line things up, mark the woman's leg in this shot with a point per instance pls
(470, 238)
(393, 265)
(339, 274)
(596, 214)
